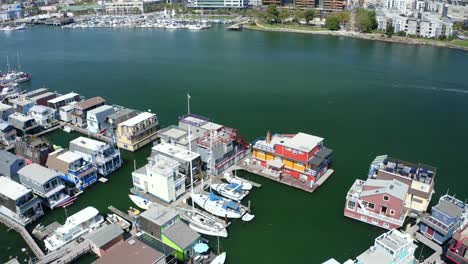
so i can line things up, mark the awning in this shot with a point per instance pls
(201, 248)
(214, 197)
(276, 163)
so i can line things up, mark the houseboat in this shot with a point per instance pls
(103, 155)
(457, 251)
(377, 202)
(419, 177)
(18, 202)
(300, 155)
(45, 116)
(137, 131)
(74, 169)
(45, 183)
(445, 218)
(75, 226)
(80, 110)
(96, 118)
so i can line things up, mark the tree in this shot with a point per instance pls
(365, 20)
(272, 14)
(298, 15)
(283, 15)
(389, 30)
(332, 22)
(309, 15)
(344, 16)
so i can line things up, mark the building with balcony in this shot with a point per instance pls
(45, 183)
(73, 167)
(120, 115)
(5, 111)
(7, 134)
(45, 116)
(160, 178)
(18, 202)
(33, 150)
(97, 117)
(219, 146)
(137, 131)
(419, 178)
(80, 110)
(63, 100)
(10, 164)
(103, 155)
(301, 155)
(392, 247)
(127, 7)
(377, 202)
(457, 251)
(445, 218)
(23, 124)
(181, 155)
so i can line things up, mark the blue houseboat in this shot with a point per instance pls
(445, 218)
(74, 168)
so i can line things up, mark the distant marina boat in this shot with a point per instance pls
(231, 191)
(140, 201)
(220, 259)
(202, 223)
(233, 179)
(75, 226)
(8, 90)
(219, 206)
(11, 28)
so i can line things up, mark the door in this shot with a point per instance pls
(430, 232)
(383, 210)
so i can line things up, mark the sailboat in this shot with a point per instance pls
(140, 201)
(233, 179)
(232, 191)
(218, 205)
(199, 222)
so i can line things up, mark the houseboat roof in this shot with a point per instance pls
(20, 117)
(194, 120)
(181, 234)
(462, 235)
(162, 165)
(41, 109)
(91, 102)
(12, 189)
(450, 206)
(100, 109)
(6, 160)
(137, 119)
(62, 98)
(212, 126)
(131, 251)
(4, 125)
(35, 92)
(303, 142)
(419, 172)
(21, 101)
(173, 132)
(175, 151)
(4, 107)
(122, 112)
(394, 240)
(394, 188)
(38, 173)
(67, 108)
(41, 96)
(159, 214)
(104, 235)
(88, 143)
(69, 156)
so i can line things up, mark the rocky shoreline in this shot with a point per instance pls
(370, 36)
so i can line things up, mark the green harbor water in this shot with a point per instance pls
(366, 98)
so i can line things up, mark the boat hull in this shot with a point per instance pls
(208, 232)
(219, 259)
(140, 202)
(215, 207)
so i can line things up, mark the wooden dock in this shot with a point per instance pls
(24, 233)
(89, 134)
(67, 254)
(49, 130)
(436, 256)
(42, 232)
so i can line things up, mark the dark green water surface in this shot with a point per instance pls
(366, 98)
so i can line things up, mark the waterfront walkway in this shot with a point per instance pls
(24, 233)
(436, 256)
(89, 134)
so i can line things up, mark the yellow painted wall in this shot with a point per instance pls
(288, 164)
(259, 155)
(269, 156)
(299, 167)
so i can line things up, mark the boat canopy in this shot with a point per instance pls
(214, 197)
(231, 205)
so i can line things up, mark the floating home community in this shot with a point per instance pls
(194, 160)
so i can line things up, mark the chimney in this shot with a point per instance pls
(268, 137)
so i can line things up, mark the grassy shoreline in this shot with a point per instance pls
(454, 44)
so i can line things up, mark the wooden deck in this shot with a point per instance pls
(436, 256)
(89, 134)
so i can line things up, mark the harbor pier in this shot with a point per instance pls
(89, 134)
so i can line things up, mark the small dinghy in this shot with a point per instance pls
(248, 217)
(140, 201)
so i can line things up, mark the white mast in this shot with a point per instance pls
(18, 61)
(190, 154)
(8, 63)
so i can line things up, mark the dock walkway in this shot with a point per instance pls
(67, 254)
(49, 130)
(436, 256)
(42, 232)
(89, 134)
(24, 233)
(120, 213)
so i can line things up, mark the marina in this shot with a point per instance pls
(257, 197)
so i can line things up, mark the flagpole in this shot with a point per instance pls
(188, 103)
(190, 155)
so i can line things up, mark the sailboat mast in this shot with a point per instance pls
(8, 63)
(190, 153)
(18, 62)
(211, 155)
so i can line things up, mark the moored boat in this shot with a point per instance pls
(231, 191)
(202, 223)
(233, 179)
(220, 259)
(219, 206)
(140, 201)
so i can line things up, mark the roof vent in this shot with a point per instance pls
(131, 242)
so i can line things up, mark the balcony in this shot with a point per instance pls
(28, 205)
(260, 146)
(382, 217)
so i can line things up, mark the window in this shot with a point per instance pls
(363, 218)
(351, 205)
(370, 206)
(386, 198)
(386, 225)
(375, 221)
(392, 212)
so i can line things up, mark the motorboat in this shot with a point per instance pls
(75, 226)
(116, 219)
(202, 223)
(219, 206)
(231, 191)
(233, 179)
(140, 201)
